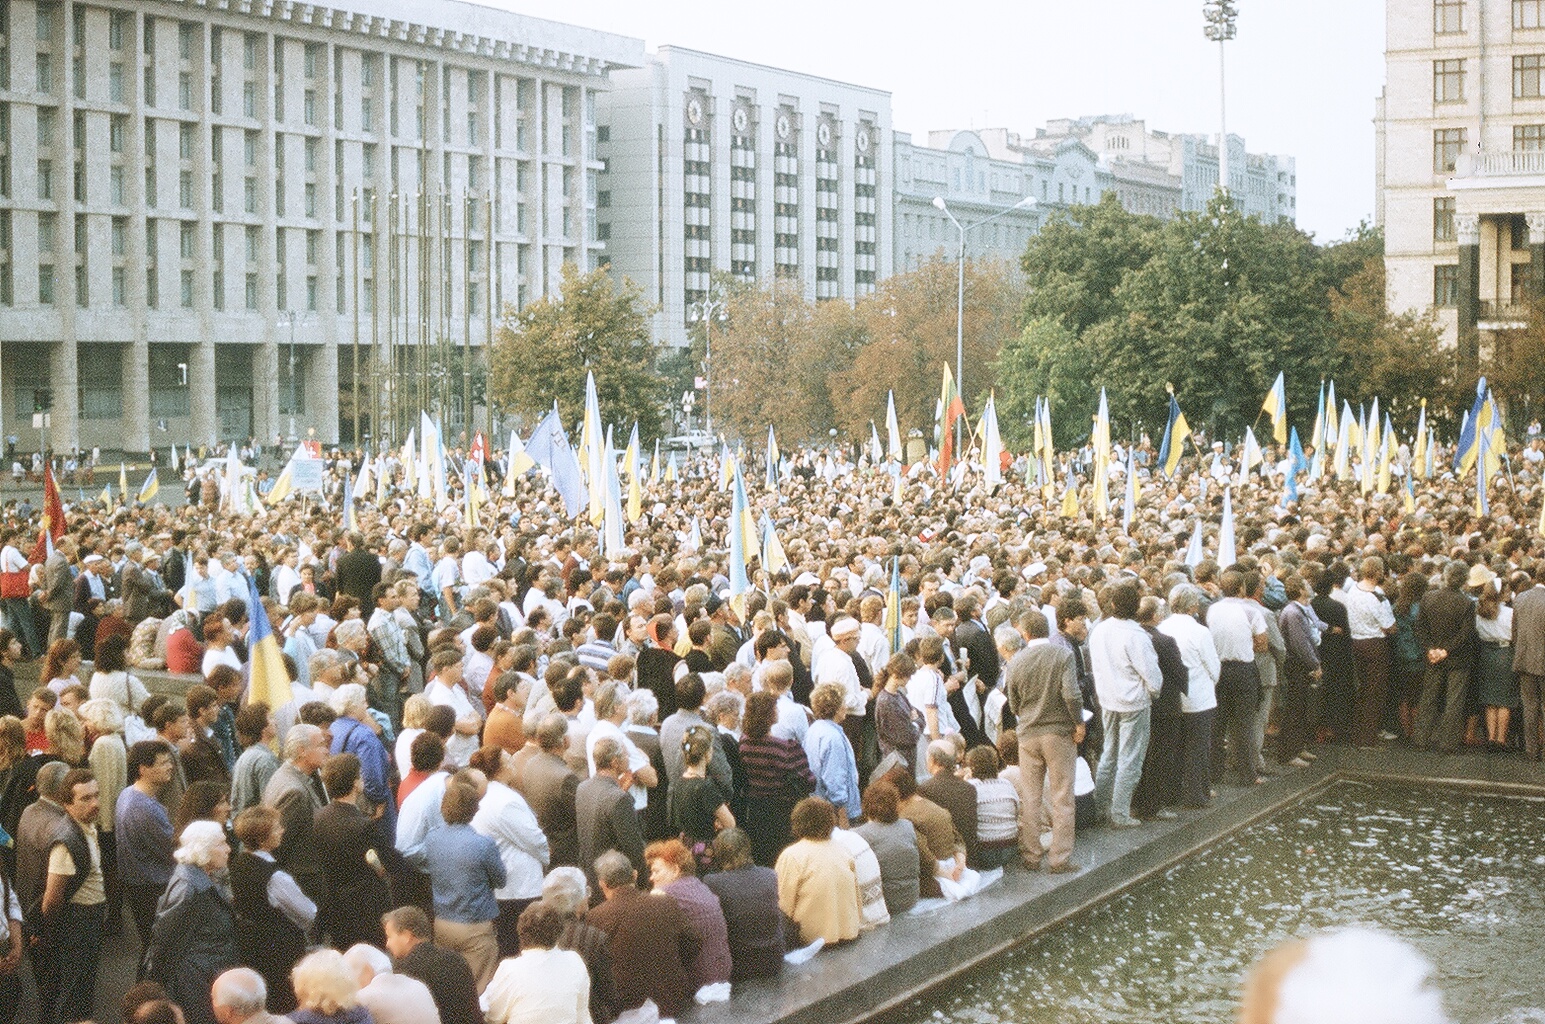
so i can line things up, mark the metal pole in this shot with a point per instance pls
(960, 339)
(355, 383)
(488, 317)
(1223, 179)
(466, 313)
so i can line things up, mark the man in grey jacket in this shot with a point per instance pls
(1529, 658)
(1043, 694)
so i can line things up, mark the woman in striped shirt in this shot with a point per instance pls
(777, 777)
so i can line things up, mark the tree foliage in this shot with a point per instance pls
(594, 325)
(1216, 304)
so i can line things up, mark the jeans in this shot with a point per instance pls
(1121, 762)
(18, 618)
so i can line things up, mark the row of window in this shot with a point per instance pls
(1445, 284)
(1448, 78)
(1448, 16)
(1449, 143)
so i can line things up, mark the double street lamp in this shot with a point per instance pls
(960, 284)
(708, 310)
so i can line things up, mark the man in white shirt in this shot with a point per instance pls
(1127, 679)
(834, 664)
(1370, 621)
(447, 688)
(611, 710)
(1239, 633)
(1198, 705)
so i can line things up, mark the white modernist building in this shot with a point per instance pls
(719, 165)
(211, 213)
(1460, 159)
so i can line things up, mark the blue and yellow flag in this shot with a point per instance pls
(148, 489)
(1175, 433)
(1275, 406)
(893, 607)
(267, 679)
(1469, 445)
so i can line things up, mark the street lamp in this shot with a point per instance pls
(293, 316)
(960, 286)
(708, 310)
(1221, 18)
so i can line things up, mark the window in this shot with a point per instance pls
(185, 30)
(1528, 138)
(309, 106)
(252, 244)
(249, 46)
(249, 99)
(45, 179)
(46, 284)
(115, 30)
(150, 87)
(185, 91)
(1529, 13)
(366, 114)
(115, 82)
(249, 147)
(311, 153)
(115, 193)
(117, 128)
(185, 190)
(187, 289)
(1526, 75)
(1445, 284)
(120, 287)
(251, 292)
(1443, 219)
(1447, 144)
(249, 195)
(45, 72)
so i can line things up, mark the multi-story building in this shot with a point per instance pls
(1460, 160)
(715, 164)
(211, 214)
(1263, 185)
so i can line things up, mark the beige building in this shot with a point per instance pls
(209, 211)
(1460, 135)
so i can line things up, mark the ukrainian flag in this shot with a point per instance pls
(267, 679)
(1175, 434)
(148, 489)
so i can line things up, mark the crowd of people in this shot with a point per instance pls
(517, 779)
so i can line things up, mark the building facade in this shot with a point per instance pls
(212, 214)
(719, 165)
(1264, 185)
(1461, 163)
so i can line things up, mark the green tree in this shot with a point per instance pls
(595, 325)
(1044, 360)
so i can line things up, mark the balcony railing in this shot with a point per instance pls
(1502, 312)
(1501, 164)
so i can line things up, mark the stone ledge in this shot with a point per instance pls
(902, 960)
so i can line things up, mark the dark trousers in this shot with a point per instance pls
(1372, 660)
(1299, 694)
(505, 926)
(10, 997)
(1196, 757)
(1440, 716)
(1531, 689)
(1233, 738)
(67, 988)
(142, 900)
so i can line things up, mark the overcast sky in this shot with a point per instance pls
(1303, 74)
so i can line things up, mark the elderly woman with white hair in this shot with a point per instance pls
(391, 998)
(356, 732)
(327, 991)
(194, 937)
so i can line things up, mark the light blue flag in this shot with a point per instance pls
(549, 448)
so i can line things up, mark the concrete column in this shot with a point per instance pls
(1467, 226)
(1536, 223)
(266, 421)
(201, 391)
(322, 392)
(135, 424)
(64, 431)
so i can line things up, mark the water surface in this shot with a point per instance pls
(1460, 875)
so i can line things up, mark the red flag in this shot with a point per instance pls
(53, 517)
(479, 451)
